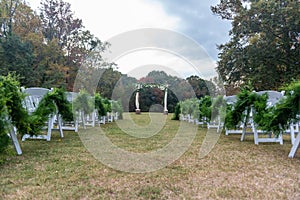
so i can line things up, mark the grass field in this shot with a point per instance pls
(65, 169)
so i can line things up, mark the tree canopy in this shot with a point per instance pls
(264, 48)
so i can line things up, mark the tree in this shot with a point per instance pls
(124, 92)
(108, 81)
(7, 12)
(60, 25)
(58, 21)
(50, 68)
(264, 48)
(26, 23)
(199, 85)
(46, 50)
(17, 56)
(81, 45)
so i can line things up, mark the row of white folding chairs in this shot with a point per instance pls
(93, 118)
(32, 99)
(273, 98)
(90, 119)
(187, 117)
(249, 127)
(293, 130)
(213, 124)
(243, 129)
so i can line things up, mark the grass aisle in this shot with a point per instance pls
(64, 169)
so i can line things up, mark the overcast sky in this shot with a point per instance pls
(193, 18)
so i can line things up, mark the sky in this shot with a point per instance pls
(190, 19)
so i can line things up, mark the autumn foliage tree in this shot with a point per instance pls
(48, 48)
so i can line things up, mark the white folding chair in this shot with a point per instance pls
(88, 119)
(273, 98)
(240, 129)
(32, 100)
(116, 116)
(110, 117)
(71, 125)
(217, 122)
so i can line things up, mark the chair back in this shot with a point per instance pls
(231, 100)
(71, 96)
(33, 98)
(273, 97)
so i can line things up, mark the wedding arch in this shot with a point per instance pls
(163, 87)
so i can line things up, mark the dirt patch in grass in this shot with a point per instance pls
(64, 169)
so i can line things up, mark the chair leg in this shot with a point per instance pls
(59, 120)
(83, 121)
(93, 118)
(50, 124)
(280, 139)
(295, 147)
(226, 132)
(76, 125)
(255, 136)
(243, 133)
(15, 142)
(292, 133)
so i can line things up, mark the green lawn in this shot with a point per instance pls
(65, 169)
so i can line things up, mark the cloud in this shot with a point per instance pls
(199, 23)
(159, 48)
(106, 18)
(153, 61)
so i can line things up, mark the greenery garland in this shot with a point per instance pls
(53, 102)
(184, 107)
(12, 110)
(275, 119)
(14, 113)
(241, 109)
(86, 103)
(278, 118)
(107, 105)
(190, 107)
(4, 139)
